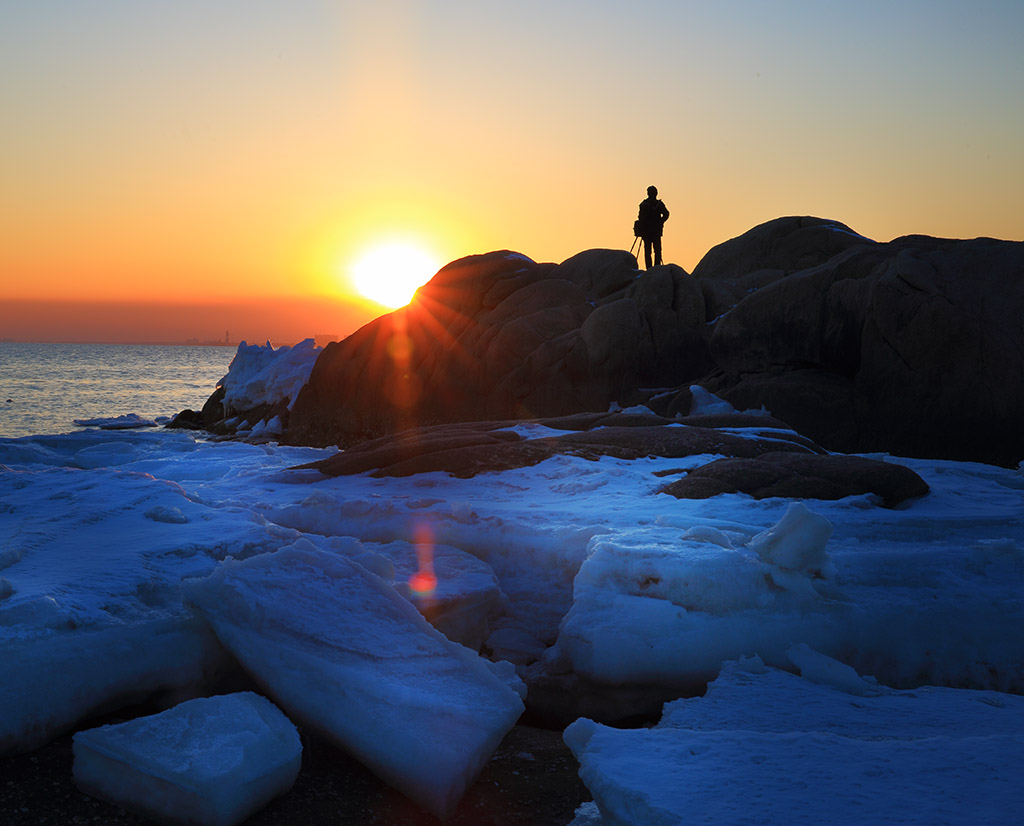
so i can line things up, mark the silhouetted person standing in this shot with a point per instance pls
(650, 223)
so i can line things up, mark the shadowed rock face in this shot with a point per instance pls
(915, 347)
(767, 253)
(499, 336)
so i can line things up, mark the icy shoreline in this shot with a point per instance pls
(574, 571)
(177, 505)
(531, 781)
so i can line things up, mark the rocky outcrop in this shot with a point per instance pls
(767, 253)
(914, 347)
(498, 336)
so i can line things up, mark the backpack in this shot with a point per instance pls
(649, 221)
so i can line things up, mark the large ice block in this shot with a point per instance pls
(207, 762)
(343, 653)
(765, 746)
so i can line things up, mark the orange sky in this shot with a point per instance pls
(222, 166)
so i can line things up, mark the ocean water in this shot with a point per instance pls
(45, 387)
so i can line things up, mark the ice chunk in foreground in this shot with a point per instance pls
(770, 747)
(648, 612)
(457, 593)
(94, 618)
(343, 653)
(706, 403)
(818, 668)
(587, 814)
(53, 680)
(797, 542)
(212, 761)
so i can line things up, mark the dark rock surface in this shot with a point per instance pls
(913, 347)
(763, 457)
(187, 420)
(464, 450)
(498, 336)
(768, 253)
(800, 476)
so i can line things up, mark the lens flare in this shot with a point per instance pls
(423, 583)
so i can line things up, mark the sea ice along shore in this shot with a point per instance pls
(563, 555)
(767, 746)
(609, 589)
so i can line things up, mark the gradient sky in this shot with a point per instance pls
(225, 152)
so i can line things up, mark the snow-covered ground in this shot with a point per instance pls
(599, 575)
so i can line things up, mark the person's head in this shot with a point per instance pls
(652, 192)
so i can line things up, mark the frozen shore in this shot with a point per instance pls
(421, 589)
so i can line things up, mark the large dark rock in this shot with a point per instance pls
(800, 476)
(766, 253)
(782, 246)
(915, 347)
(498, 336)
(187, 419)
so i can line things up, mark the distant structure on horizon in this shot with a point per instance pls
(320, 339)
(214, 342)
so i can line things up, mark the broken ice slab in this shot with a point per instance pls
(54, 678)
(343, 653)
(207, 762)
(457, 593)
(765, 746)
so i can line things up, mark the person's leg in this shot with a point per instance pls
(657, 252)
(647, 252)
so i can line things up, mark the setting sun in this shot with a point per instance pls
(390, 273)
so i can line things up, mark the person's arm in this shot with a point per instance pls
(664, 212)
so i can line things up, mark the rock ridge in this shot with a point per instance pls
(913, 346)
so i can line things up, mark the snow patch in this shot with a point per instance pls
(706, 403)
(261, 375)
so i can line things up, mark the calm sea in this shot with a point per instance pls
(45, 387)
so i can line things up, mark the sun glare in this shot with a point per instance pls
(390, 273)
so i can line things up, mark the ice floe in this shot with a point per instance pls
(205, 762)
(344, 654)
(570, 568)
(766, 746)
